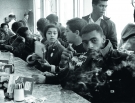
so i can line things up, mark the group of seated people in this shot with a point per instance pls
(85, 61)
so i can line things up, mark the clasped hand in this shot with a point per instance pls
(66, 56)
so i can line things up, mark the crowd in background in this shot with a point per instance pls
(80, 56)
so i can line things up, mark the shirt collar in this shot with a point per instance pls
(98, 18)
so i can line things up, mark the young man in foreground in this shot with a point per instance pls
(106, 76)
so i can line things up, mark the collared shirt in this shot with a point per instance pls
(92, 21)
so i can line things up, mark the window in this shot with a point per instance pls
(65, 10)
(121, 13)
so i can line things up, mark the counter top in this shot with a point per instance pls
(53, 93)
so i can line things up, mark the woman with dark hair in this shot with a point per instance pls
(53, 50)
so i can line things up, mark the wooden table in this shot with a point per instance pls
(53, 93)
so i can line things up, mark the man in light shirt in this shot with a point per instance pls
(11, 21)
(97, 16)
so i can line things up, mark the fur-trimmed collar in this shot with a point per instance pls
(108, 47)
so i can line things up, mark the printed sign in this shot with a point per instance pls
(28, 84)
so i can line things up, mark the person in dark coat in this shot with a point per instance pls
(25, 33)
(14, 44)
(53, 50)
(97, 16)
(105, 75)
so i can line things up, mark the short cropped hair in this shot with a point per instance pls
(76, 24)
(3, 24)
(41, 24)
(91, 27)
(52, 18)
(16, 26)
(21, 31)
(97, 1)
(51, 26)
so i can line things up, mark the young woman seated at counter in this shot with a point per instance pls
(53, 53)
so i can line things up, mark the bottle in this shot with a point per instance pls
(11, 62)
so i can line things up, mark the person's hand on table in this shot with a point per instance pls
(46, 66)
(39, 78)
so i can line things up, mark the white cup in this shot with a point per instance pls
(2, 96)
(18, 94)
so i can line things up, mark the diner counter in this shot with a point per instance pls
(52, 93)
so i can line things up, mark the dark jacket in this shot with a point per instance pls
(101, 86)
(19, 47)
(53, 54)
(29, 48)
(109, 29)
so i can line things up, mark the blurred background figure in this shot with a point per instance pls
(133, 4)
(128, 38)
(12, 19)
(31, 21)
(6, 19)
(25, 20)
(5, 33)
(41, 25)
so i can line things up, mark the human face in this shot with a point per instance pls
(100, 8)
(70, 36)
(5, 28)
(52, 34)
(92, 40)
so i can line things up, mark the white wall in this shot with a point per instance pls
(18, 7)
(121, 12)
